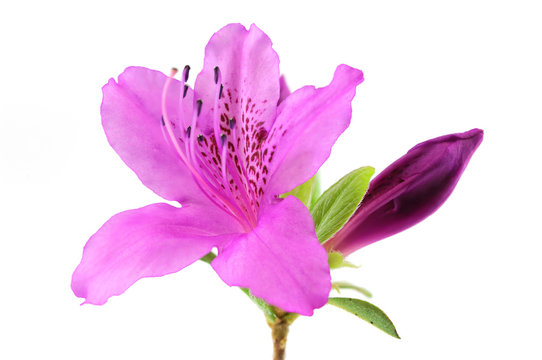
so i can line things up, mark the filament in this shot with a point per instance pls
(197, 176)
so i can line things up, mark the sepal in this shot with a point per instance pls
(336, 261)
(339, 285)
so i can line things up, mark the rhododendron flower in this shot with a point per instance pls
(408, 191)
(224, 150)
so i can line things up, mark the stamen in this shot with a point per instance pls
(200, 138)
(213, 194)
(186, 72)
(163, 128)
(248, 210)
(232, 123)
(184, 89)
(188, 131)
(220, 92)
(195, 116)
(198, 107)
(217, 74)
(223, 157)
(216, 111)
(165, 120)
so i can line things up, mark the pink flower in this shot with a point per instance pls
(225, 151)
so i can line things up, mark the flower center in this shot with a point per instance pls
(226, 162)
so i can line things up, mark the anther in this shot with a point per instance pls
(163, 122)
(185, 91)
(188, 131)
(217, 73)
(186, 72)
(220, 91)
(198, 107)
(222, 139)
(200, 138)
(232, 123)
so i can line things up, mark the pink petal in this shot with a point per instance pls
(131, 117)
(249, 69)
(155, 240)
(280, 261)
(310, 121)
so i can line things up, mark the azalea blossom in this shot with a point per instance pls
(408, 191)
(225, 150)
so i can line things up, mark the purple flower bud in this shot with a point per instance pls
(408, 191)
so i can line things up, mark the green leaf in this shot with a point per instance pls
(307, 192)
(367, 312)
(338, 285)
(339, 202)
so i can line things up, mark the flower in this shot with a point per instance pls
(225, 150)
(408, 191)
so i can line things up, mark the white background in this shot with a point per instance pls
(464, 284)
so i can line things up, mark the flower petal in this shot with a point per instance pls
(309, 122)
(280, 261)
(131, 117)
(155, 240)
(249, 69)
(408, 191)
